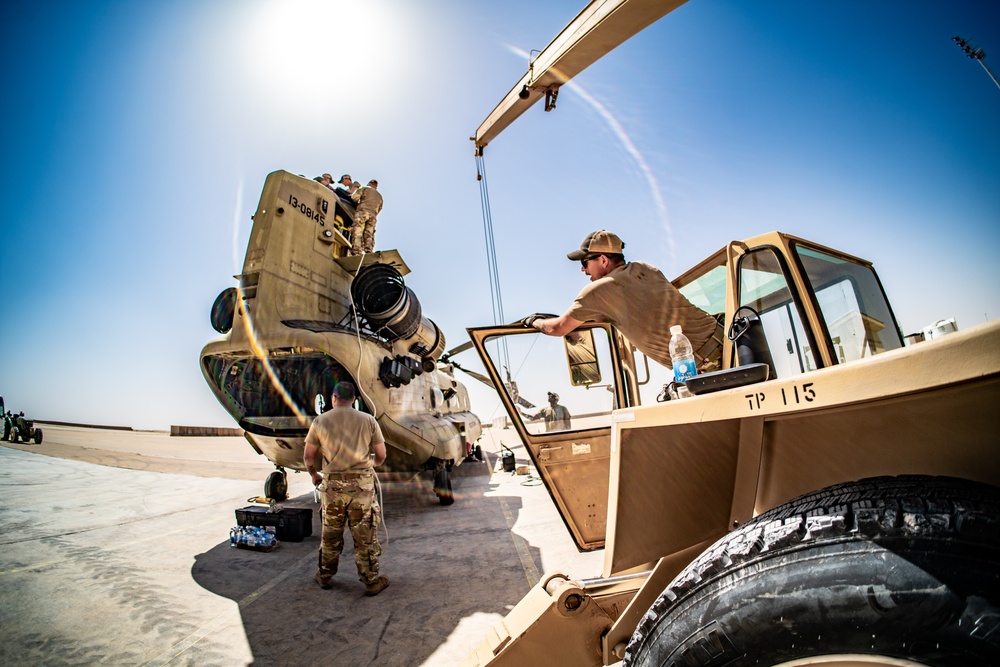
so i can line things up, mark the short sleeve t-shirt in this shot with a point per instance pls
(643, 305)
(345, 438)
(556, 418)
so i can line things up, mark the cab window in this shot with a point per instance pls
(852, 303)
(764, 288)
(549, 394)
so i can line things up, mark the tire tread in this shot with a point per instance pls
(875, 509)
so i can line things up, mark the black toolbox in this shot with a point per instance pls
(292, 524)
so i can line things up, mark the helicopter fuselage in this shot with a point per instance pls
(306, 315)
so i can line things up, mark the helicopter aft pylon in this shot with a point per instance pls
(306, 315)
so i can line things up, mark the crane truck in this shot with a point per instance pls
(829, 497)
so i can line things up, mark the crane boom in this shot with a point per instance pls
(598, 29)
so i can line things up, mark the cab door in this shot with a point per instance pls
(559, 394)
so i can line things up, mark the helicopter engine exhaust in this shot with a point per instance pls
(393, 311)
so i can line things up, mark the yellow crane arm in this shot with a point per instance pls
(599, 28)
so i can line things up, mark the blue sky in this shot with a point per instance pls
(137, 136)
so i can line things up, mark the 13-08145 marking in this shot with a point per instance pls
(803, 393)
(307, 211)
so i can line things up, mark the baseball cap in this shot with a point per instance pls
(601, 241)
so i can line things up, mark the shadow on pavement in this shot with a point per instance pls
(452, 569)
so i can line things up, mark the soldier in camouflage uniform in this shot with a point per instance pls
(339, 452)
(369, 203)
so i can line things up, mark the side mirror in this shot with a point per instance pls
(581, 356)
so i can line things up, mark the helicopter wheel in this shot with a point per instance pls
(276, 486)
(442, 487)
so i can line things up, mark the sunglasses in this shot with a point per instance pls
(583, 262)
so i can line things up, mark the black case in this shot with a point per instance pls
(727, 379)
(292, 524)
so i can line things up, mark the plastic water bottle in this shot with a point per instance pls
(681, 356)
(233, 537)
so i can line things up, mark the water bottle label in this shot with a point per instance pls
(684, 369)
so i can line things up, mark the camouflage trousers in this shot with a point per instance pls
(363, 233)
(709, 355)
(351, 500)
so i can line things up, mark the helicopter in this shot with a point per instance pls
(305, 315)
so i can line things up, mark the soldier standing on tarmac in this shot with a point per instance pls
(557, 417)
(342, 447)
(369, 202)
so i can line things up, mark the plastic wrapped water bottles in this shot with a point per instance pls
(253, 537)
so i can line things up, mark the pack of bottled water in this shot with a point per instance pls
(252, 537)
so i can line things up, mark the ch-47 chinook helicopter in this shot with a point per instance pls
(306, 315)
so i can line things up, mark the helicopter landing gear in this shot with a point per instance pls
(442, 484)
(276, 485)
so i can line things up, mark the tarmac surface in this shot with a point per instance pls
(115, 551)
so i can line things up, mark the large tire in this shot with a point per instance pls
(14, 434)
(883, 571)
(276, 486)
(37, 436)
(6, 430)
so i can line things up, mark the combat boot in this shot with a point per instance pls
(377, 586)
(325, 579)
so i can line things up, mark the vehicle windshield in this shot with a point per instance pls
(854, 307)
(850, 300)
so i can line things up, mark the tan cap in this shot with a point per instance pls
(601, 241)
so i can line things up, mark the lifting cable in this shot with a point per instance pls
(491, 253)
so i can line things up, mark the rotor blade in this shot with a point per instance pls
(473, 374)
(479, 376)
(458, 349)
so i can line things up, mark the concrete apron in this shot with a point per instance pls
(131, 567)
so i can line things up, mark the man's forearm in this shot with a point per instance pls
(556, 326)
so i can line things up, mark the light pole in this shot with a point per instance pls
(975, 53)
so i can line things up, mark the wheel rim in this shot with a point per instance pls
(849, 660)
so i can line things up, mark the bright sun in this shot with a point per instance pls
(315, 50)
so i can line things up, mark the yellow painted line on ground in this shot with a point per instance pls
(521, 546)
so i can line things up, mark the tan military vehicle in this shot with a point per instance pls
(829, 498)
(307, 315)
(841, 506)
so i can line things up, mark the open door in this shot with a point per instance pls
(559, 393)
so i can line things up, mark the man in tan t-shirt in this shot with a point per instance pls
(637, 299)
(557, 417)
(342, 447)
